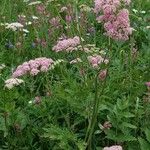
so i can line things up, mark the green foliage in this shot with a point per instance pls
(143, 144)
(62, 117)
(63, 138)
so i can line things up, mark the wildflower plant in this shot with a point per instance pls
(74, 75)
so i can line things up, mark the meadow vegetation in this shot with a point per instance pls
(75, 75)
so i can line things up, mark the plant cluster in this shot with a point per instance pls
(74, 75)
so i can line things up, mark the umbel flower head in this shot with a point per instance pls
(10, 83)
(96, 60)
(14, 26)
(116, 20)
(67, 44)
(33, 67)
(119, 27)
(109, 6)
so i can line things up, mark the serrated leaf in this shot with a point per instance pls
(120, 137)
(3, 126)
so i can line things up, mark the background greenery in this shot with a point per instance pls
(61, 119)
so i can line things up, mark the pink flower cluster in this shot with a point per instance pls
(119, 28)
(109, 6)
(115, 147)
(96, 60)
(33, 67)
(116, 21)
(67, 44)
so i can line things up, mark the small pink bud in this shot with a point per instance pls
(40, 9)
(107, 125)
(43, 43)
(102, 75)
(37, 100)
(147, 84)
(68, 18)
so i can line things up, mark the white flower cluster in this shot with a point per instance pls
(85, 8)
(115, 147)
(10, 83)
(35, 3)
(35, 17)
(25, 1)
(136, 11)
(74, 61)
(57, 62)
(14, 26)
(32, 3)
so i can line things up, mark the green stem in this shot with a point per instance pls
(90, 130)
(95, 110)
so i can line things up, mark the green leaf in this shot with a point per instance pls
(144, 144)
(129, 125)
(63, 136)
(119, 137)
(147, 133)
(3, 126)
(128, 114)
